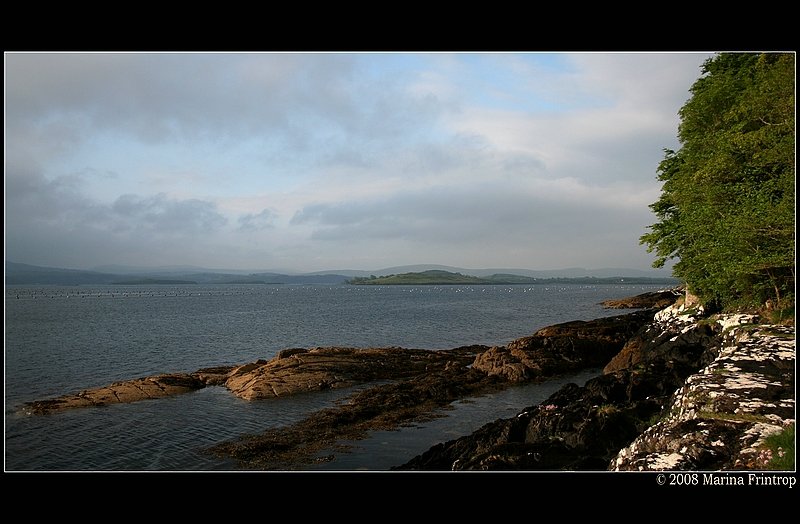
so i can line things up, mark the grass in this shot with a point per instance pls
(690, 312)
(607, 409)
(781, 450)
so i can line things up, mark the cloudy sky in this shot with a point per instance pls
(337, 161)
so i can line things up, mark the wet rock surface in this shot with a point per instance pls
(300, 370)
(135, 390)
(292, 371)
(582, 428)
(379, 407)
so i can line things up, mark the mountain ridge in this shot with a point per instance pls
(20, 273)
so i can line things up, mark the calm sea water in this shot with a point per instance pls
(61, 340)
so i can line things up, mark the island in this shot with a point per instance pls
(443, 278)
(153, 282)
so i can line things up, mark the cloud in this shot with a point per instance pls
(255, 222)
(313, 160)
(467, 218)
(157, 97)
(162, 216)
(52, 222)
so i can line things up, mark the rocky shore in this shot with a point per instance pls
(678, 392)
(685, 393)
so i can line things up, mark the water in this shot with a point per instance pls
(61, 340)
(382, 449)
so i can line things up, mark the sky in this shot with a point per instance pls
(319, 161)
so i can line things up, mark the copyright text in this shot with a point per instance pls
(726, 479)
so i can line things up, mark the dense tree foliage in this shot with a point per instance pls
(727, 205)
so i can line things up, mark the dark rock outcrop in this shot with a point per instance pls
(381, 407)
(654, 299)
(438, 380)
(721, 416)
(684, 394)
(583, 428)
(562, 347)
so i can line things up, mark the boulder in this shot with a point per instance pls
(682, 351)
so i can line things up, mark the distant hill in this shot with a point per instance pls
(153, 281)
(423, 277)
(574, 272)
(16, 273)
(440, 277)
(26, 274)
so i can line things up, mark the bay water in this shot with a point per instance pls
(63, 339)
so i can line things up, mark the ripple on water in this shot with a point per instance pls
(162, 434)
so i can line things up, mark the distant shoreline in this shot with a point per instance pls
(26, 274)
(443, 278)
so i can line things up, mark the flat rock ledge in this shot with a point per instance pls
(292, 371)
(153, 387)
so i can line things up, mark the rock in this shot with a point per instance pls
(299, 370)
(654, 299)
(215, 376)
(292, 371)
(583, 428)
(686, 395)
(576, 428)
(683, 352)
(562, 347)
(381, 407)
(122, 392)
(720, 417)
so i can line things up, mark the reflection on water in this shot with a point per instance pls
(385, 449)
(171, 433)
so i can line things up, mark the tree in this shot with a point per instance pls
(727, 204)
